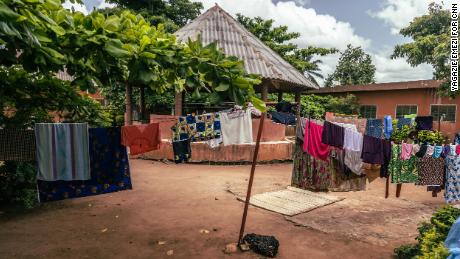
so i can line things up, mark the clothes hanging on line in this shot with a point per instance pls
(197, 127)
(402, 171)
(214, 143)
(353, 140)
(141, 138)
(387, 126)
(424, 122)
(437, 151)
(353, 161)
(17, 145)
(372, 150)
(422, 151)
(309, 172)
(403, 122)
(406, 151)
(415, 149)
(342, 178)
(109, 169)
(300, 130)
(182, 150)
(312, 141)
(374, 128)
(284, 118)
(236, 127)
(332, 135)
(387, 153)
(452, 185)
(430, 171)
(429, 150)
(62, 151)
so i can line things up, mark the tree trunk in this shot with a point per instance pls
(142, 103)
(128, 102)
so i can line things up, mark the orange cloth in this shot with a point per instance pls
(141, 138)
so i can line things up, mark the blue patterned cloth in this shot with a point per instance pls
(457, 139)
(109, 169)
(453, 240)
(387, 126)
(374, 128)
(197, 127)
(404, 121)
(452, 192)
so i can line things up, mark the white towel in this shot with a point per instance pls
(236, 127)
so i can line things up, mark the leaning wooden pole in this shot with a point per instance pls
(251, 177)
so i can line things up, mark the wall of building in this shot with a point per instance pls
(386, 102)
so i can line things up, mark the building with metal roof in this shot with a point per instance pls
(216, 25)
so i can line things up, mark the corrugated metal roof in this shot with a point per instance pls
(420, 84)
(216, 25)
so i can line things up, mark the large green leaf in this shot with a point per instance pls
(222, 87)
(114, 48)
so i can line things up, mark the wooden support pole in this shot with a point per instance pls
(178, 101)
(398, 189)
(297, 99)
(387, 187)
(129, 105)
(280, 96)
(264, 92)
(251, 177)
(142, 103)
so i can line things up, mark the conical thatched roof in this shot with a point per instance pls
(216, 25)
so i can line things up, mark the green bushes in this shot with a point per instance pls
(18, 184)
(430, 241)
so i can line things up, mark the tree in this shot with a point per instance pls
(173, 13)
(280, 40)
(316, 106)
(430, 45)
(354, 68)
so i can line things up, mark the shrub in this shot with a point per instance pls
(430, 241)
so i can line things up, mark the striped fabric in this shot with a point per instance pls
(62, 151)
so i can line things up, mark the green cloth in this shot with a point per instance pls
(402, 171)
(410, 116)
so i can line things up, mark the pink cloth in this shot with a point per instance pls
(312, 141)
(406, 151)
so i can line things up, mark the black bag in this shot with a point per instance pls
(263, 245)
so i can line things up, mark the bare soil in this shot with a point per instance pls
(172, 206)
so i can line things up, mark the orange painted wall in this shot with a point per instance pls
(386, 102)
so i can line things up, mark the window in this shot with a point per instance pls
(402, 110)
(447, 110)
(368, 111)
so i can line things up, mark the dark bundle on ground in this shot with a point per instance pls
(263, 245)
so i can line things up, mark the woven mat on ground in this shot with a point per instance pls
(291, 201)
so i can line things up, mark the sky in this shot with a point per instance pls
(373, 25)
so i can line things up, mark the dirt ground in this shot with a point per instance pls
(174, 203)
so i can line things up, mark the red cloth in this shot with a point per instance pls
(457, 149)
(312, 141)
(141, 138)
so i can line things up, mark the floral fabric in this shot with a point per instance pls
(452, 193)
(402, 171)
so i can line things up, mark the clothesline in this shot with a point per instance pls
(404, 162)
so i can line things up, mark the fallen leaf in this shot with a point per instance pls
(204, 231)
(116, 216)
(170, 252)
(104, 230)
(161, 242)
(231, 248)
(89, 205)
